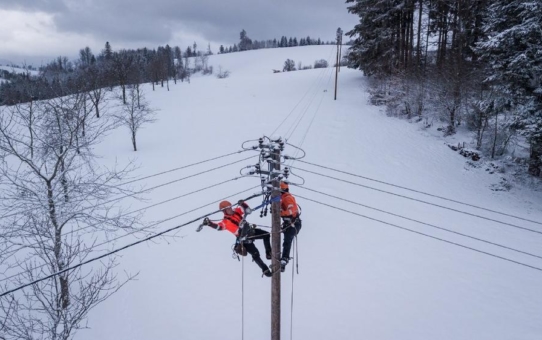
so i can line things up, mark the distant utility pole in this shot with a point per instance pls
(340, 49)
(339, 42)
(275, 243)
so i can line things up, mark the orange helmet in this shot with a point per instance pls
(224, 204)
(283, 186)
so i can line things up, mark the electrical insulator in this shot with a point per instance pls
(260, 143)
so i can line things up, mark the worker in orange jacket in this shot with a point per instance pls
(291, 223)
(231, 222)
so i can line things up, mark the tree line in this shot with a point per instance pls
(91, 72)
(476, 63)
(246, 44)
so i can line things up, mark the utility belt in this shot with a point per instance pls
(290, 221)
(240, 249)
(245, 232)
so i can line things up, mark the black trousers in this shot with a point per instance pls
(253, 250)
(260, 234)
(290, 231)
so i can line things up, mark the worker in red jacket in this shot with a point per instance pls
(291, 223)
(232, 222)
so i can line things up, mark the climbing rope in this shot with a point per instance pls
(295, 261)
(242, 298)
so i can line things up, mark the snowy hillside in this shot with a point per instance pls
(358, 278)
(17, 70)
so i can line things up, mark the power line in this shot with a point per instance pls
(184, 167)
(116, 250)
(302, 115)
(423, 193)
(312, 121)
(176, 216)
(299, 102)
(304, 111)
(145, 228)
(308, 105)
(146, 190)
(420, 222)
(296, 105)
(126, 214)
(421, 201)
(420, 233)
(161, 173)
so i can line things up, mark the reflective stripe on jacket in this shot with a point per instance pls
(288, 206)
(231, 222)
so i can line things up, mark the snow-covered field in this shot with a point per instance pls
(358, 278)
(17, 70)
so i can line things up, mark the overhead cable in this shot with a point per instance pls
(420, 233)
(420, 222)
(423, 193)
(421, 201)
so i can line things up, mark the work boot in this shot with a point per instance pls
(268, 255)
(283, 263)
(267, 273)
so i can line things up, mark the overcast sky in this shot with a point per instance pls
(36, 31)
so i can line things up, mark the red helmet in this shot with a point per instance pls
(283, 186)
(224, 204)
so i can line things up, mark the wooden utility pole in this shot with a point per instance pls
(275, 247)
(339, 41)
(340, 50)
(337, 70)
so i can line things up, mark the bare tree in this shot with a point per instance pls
(135, 113)
(49, 202)
(123, 61)
(202, 64)
(96, 89)
(222, 73)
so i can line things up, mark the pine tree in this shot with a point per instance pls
(108, 52)
(375, 48)
(245, 42)
(512, 51)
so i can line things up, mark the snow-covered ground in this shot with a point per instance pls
(358, 278)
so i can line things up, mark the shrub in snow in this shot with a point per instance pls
(222, 73)
(208, 70)
(322, 63)
(289, 65)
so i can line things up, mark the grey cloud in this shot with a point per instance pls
(126, 22)
(114, 27)
(136, 20)
(48, 6)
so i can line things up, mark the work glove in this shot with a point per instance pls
(247, 209)
(206, 221)
(286, 221)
